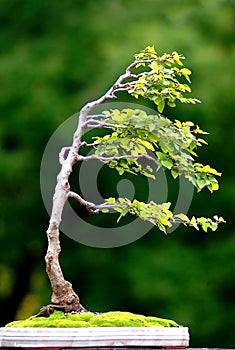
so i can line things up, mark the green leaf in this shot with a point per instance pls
(182, 217)
(140, 64)
(161, 106)
(111, 200)
(193, 222)
(186, 72)
(124, 211)
(146, 144)
(200, 183)
(171, 104)
(162, 227)
(154, 65)
(205, 226)
(214, 186)
(176, 58)
(164, 160)
(121, 171)
(221, 219)
(178, 124)
(151, 126)
(167, 163)
(174, 174)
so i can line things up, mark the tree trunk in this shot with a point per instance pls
(63, 295)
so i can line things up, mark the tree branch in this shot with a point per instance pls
(79, 199)
(91, 207)
(136, 62)
(102, 124)
(105, 159)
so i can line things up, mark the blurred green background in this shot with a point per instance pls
(57, 55)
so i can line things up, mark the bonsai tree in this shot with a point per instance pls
(137, 143)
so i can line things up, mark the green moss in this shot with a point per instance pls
(86, 319)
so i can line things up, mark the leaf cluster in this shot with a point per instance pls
(160, 214)
(161, 80)
(136, 136)
(171, 144)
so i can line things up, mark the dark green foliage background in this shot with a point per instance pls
(54, 57)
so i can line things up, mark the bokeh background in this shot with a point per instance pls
(54, 57)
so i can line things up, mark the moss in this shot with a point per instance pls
(87, 319)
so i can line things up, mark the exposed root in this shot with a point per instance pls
(47, 310)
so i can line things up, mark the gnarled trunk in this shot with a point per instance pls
(63, 296)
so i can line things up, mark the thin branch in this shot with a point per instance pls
(129, 68)
(79, 199)
(93, 116)
(114, 88)
(102, 124)
(106, 159)
(134, 76)
(136, 62)
(99, 124)
(91, 207)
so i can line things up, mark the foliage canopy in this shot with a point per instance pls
(136, 135)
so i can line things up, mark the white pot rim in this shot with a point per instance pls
(94, 337)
